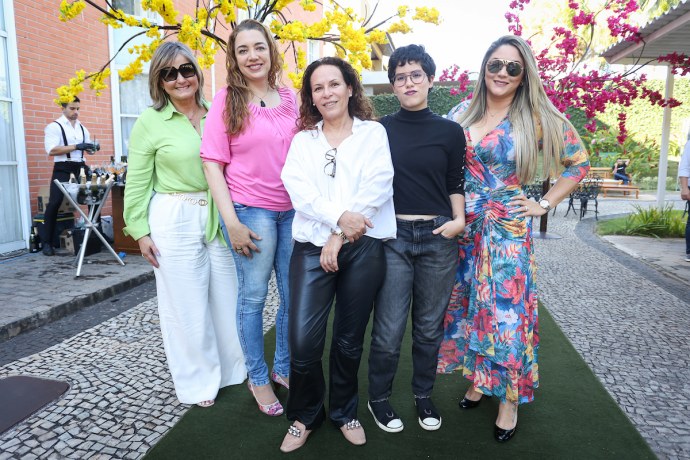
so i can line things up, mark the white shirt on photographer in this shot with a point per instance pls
(53, 138)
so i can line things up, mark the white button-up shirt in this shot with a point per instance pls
(53, 138)
(363, 182)
(684, 166)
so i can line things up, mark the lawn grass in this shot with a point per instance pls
(652, 222)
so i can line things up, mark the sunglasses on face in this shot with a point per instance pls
(170, 73)
(417, 77)
(513, 68)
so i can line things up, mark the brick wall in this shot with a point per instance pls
(50, 51)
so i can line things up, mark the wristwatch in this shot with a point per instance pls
(544, 203)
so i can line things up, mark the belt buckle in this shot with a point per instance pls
(202, 202)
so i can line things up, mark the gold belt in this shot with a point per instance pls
(189, 199)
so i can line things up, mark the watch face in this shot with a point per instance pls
(545, 204)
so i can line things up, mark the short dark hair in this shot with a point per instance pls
(410, 53)
(358, 106)
(64, 104)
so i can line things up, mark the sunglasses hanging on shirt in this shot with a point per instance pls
(170, 73)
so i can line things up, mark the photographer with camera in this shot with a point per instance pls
(66, 140)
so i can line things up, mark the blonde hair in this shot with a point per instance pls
(163, 57)
(534, 118)
(236, 109)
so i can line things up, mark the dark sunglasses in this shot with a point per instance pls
(513, 68)
(170, 73)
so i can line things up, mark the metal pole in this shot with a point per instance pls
(544, 220)
(665, 135)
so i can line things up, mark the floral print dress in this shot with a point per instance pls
(491, 325)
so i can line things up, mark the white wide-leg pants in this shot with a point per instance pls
(197, 299)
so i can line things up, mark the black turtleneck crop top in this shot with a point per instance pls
(428, 153)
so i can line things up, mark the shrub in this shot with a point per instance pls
(663, 222)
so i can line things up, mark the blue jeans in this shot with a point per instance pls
(275, 230)
(420, 271)
(623, 177)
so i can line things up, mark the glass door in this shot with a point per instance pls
(14, 224)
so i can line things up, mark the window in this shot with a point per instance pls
(313, 50)
(130, 98)
(14, 185)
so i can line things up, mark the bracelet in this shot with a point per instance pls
(341, 234)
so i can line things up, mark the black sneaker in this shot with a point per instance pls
(429, 418)
(48, 250)
(385, 417)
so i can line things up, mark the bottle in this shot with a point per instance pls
(82, 178)
(72, 178)
(94, 183)
(34, 241)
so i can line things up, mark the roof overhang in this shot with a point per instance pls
(661, 36)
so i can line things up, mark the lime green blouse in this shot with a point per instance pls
(164, 158)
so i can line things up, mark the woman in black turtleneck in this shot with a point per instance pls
(428, 154)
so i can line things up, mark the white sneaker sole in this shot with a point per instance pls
(384, 427)
(429, 427)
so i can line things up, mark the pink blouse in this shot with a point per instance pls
(253, 159)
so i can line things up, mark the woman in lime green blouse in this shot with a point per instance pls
(169, 212)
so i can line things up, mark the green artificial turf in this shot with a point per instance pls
(572, 417)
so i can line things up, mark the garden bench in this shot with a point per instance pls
(607, 187)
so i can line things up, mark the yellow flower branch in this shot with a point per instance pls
(340, 26)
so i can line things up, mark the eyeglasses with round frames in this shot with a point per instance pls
(513, 68)
(329, 167)
(416, 76)
(170, 73)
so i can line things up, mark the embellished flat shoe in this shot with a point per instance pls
(385, 417)
(278, 380)
(294, 439)
(354, 432)
(207, 403)
(274, 409)
(467, 403)
(502, 435)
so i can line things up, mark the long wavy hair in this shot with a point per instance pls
(358, 105)
(534, 118)
(163, 57)
(239, 95)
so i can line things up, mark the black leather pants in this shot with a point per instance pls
(312, 290)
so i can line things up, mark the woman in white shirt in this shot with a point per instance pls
(339, 176)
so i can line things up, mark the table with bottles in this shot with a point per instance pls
(93, 192)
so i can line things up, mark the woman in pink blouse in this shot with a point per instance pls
(248, 133)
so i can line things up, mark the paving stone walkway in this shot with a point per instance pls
(121, 400)
(628, 322)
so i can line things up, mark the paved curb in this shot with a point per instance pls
(670, 282)
(13, 329)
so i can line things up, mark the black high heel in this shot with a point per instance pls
(502, 435)
(468, 403)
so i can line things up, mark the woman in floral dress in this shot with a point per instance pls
(491, 327)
